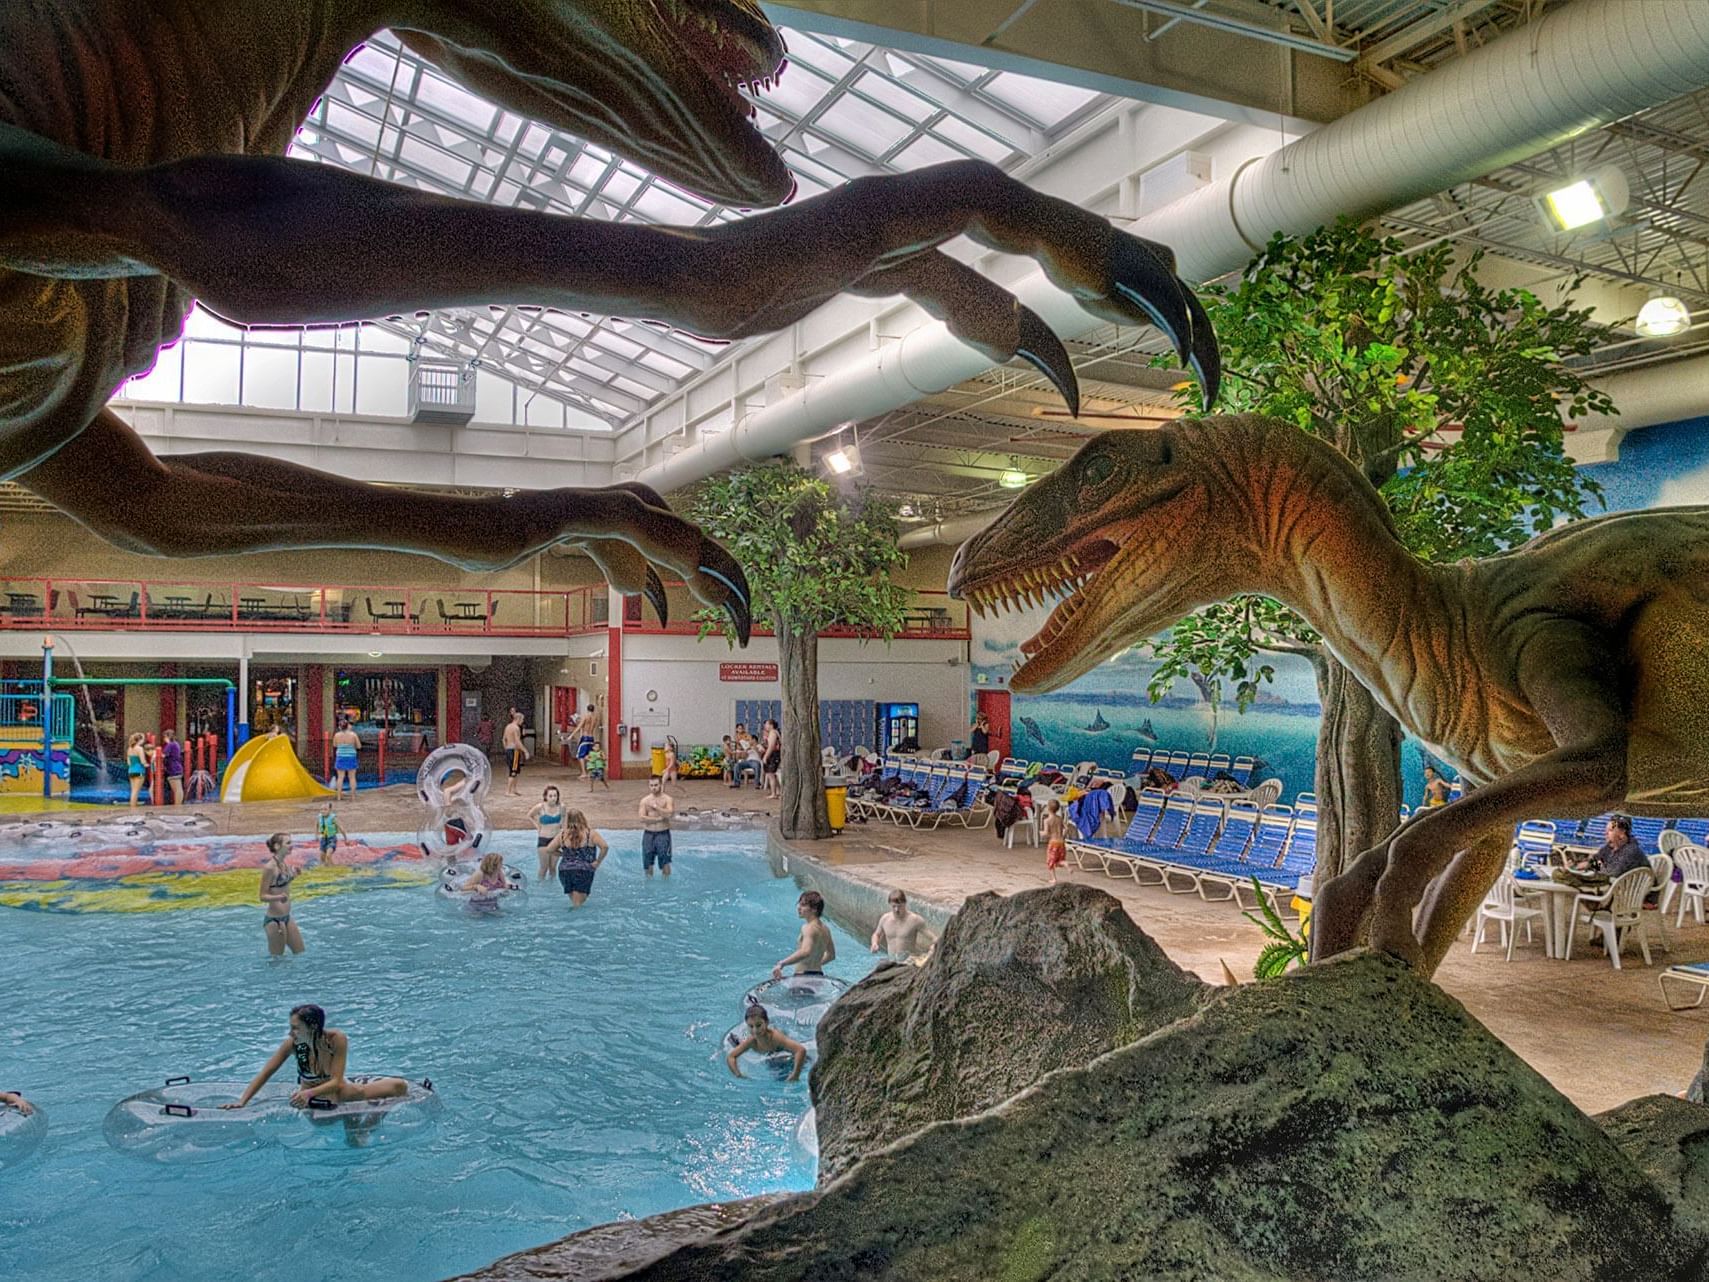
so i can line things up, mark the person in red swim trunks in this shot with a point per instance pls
(1055, 839)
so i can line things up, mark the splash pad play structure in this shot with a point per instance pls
(267, 769)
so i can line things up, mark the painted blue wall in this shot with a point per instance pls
(1662, 466)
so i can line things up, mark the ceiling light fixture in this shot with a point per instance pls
(844, 461)
(373, 654)
(1663, 317)
(1013, 479)
(1586, 200)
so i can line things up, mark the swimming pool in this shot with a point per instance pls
(576, 1053)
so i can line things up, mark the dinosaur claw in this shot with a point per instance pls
(719, 565)
(655, 592)
(1145, 279)
(1039, 346)
(1205, 359)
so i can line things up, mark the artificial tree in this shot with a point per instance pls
(1447, 394)
(816, 556)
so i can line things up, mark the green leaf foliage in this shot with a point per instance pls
(1284, 948)
(1446, 392)
(816, 556)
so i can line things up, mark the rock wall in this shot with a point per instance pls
(1017, 987)
(1348, 1122)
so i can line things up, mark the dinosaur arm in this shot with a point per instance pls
(1567, 675)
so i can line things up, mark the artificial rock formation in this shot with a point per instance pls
(1018, 986)
(1565, 676)
(1667, 1138)
(1350, 1121)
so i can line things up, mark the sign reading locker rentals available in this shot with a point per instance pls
(747, 672)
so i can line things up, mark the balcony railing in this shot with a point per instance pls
(199, 605)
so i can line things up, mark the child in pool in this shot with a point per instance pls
(763, 1039)
(1055, 839)
(329, 830)
(490, 876)
(11, 1099)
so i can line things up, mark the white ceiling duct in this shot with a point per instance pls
(1575, 69)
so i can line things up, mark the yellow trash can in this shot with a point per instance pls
(837, 807)
(658, 758)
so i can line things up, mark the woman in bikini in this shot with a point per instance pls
(672, 753)
(136, 764)
(581, 851)
(771, 759)
(547, 816)
(321, 1054)
(276, 879)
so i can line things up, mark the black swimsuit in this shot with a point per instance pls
(306, 1076)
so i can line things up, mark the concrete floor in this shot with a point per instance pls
(1601, 1036)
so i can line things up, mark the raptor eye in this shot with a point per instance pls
(1098, 469)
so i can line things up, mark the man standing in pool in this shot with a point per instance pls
(902, 934)
(515, 753)
(657, 807)
(815, 947)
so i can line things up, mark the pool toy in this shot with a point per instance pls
(759, 1066)
(795, 1003)
(451, 890)
(267, 769)
(182, 1121)
(155, 875)
(451, 783)
(20, 1134)
(807, 1133)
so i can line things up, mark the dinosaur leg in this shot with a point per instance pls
(1455, 895)
(198, 504)
(1341, 910)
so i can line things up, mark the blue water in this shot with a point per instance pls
(119, 793)
(576, 1052)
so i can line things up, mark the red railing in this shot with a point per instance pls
(201, 605)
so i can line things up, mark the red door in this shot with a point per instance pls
(995, 705)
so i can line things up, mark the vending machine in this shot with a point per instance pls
(898, 723)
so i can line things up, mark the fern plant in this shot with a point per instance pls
(1284, 948)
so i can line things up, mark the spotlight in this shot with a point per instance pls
(843, 461)
(1586, 200)
(1663, 317)
(374, 654)
(1013, 479)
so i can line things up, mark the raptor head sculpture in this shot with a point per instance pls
(659, 82)
(1128, 535)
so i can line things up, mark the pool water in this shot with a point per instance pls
(576, 1053)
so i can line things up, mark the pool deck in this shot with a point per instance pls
(1601, 1036)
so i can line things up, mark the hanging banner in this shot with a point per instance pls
(747, 672)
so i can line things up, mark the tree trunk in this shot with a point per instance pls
(1358, 770)
(803, 814)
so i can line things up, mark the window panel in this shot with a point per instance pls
(494, 401)
(161, 382)
(316, 381)
(270, 378)
(382, 386)
(210, 373)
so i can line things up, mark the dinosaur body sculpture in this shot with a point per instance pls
(1566, 677)
(142, 166)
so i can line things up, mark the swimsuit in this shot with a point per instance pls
(575, 869)
(328, 827)
(545, 838)
(306, 1076)
(584, 745)
(135, 768)
(802, 974)
(655, 846)
(343, 757)
(1055, 854)
(268, 918)
(514, 757)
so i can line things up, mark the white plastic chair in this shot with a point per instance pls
(1661, 867)
(1618, 912)
(1042, 797)
(1693, 863)
(1266, 793)
(1501, 906)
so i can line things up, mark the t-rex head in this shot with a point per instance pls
(1123, 532)
(656, 81)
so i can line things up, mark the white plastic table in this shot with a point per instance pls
(1557, 911)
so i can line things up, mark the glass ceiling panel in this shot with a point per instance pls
(841, 110)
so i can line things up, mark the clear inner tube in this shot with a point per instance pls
(20, 1134)
(807, 1133)
(453, 878)
(796, 1003)
(182, 1122)
(452, 783)
(774, 1066)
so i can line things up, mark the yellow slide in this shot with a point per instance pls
(267, 769)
